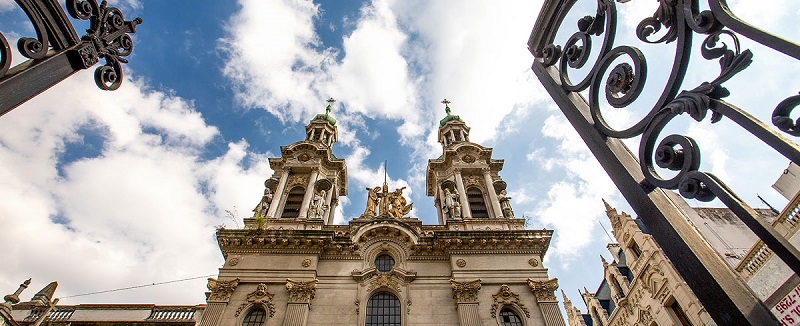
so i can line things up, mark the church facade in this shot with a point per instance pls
(291, 265)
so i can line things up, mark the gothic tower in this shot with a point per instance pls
(464, 181)
(308, 179)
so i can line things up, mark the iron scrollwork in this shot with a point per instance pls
(108, 32)
(57, 51)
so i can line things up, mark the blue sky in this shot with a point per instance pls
(106, 190)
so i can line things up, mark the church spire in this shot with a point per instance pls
(322, 127)
(451, 128)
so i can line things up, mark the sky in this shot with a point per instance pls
(106, 190)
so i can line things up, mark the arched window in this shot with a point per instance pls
(291, 209)
(384, 263)
(476, 204)
(256, 317)
(509, 318)
(383, 309)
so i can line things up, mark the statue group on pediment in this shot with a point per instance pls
(381, 201)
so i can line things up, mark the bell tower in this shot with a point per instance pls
(307, 182)
(464, 181)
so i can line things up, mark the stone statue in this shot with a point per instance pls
(388, 203)
(452, 206)
(399, 207)
(263, 206)
(372, 201)
(505, 205)
(318, 205)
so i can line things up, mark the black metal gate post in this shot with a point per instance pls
(57, 52)
(724, 294)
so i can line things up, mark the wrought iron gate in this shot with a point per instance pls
(722, 292)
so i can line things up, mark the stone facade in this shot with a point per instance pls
(640, 286)
(479, 266)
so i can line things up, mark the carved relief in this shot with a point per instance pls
(544, 291)
(221, 291)
(506, 297)
(295, 180)
(473, 180)
(233, 261)
(302, 292)
(465, 291)
(468, 158)
(387, 280)
(306, 262)
(461, 263)
(302, 157)
(533, 262)
(259, 297)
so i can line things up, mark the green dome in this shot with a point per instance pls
(326, 117)
(448, 118)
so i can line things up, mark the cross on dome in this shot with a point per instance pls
(446, 106)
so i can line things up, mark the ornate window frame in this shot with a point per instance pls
(259, 298)
(516, 309)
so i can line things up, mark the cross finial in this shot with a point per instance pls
(446, 106)
(330, 102)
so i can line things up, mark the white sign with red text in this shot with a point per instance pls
(788, 309)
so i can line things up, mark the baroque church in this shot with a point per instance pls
(291, 265)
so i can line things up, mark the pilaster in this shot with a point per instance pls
(466, 297)
(221, 292)
(300, 296)
(544, 291)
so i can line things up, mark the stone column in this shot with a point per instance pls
(312, 179)
(439, 207)
(466, 296)
(466, 212)
(278, 195)
(300, 296)
(326, 216)
(544, 291)
(487, 177)
(221, 292)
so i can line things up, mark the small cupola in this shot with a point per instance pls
(452, 129)
(322, 128)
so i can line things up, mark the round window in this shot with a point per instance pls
(384, 263)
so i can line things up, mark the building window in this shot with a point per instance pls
(635, 250)
(291, 209)
(509, 318)
(384, 263)
(383, 309)
(477, 205)
(255, 317)
(677, 311)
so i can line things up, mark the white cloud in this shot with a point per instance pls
(573, 205)
(140, 210)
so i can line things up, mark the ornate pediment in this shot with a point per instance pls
(506, 297)
(221, 291)
(465, 291)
